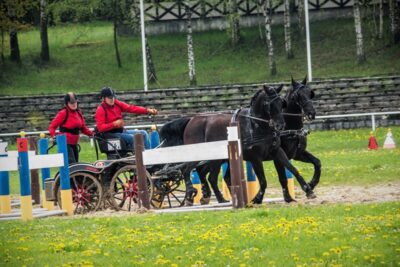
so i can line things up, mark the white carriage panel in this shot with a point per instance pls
(187, 153)
(8, 164)
(3, 148)
(46, 161)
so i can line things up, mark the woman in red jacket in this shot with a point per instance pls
(70, 122)
(109, 119)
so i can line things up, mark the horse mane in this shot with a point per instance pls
(255, 96)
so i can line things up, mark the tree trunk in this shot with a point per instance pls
(151, 72)
(2, 45)
(14, 47)
(115, 34)
(234, 22)
(300, 14)
(44, 53)
(268, 33)
(394, 21)
(192, 69)
(288, 40)
(380, 32)
(359, 37)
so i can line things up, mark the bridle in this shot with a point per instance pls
(295, 95)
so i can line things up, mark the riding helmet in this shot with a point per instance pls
(107, 92)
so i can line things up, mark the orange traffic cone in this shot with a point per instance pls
(373, 144)
(389, 142)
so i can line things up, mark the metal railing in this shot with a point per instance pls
(148, 126)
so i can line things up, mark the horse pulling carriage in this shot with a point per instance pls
(113, 182)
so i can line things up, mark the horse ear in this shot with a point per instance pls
(279, 89)
(312, 94)
(293, 81)
(304, 82)
(265, 87)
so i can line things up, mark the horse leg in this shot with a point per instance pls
(283, 159)
(205, 188)
(283, 181)
(215, 168)
(191, 192)
(259, 171)
(306, 156)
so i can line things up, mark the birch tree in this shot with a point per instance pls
(394, 21)
(380, 33)
(300, 15)
(44, 52)
(234, 17)
(286, 21)
(359, 36)
(192, 70)
(268, 35)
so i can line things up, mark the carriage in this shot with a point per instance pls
(112, 183)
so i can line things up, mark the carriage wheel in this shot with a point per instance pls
(87, 193)
(124, 190)
(167, 194)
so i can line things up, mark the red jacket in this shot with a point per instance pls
(106, 114)
(74, 120)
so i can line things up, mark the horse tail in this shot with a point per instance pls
(171, 134)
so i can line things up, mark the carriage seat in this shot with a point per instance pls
(114, 148)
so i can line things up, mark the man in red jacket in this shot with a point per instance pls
(70, 122)
(109, 119)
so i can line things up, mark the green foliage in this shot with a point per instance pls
(83, 58)
(327, 235)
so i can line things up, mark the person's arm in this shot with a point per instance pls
(131, 108)
(56, 122)
(101, 123)
(85, 129)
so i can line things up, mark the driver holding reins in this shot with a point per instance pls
(109, 119)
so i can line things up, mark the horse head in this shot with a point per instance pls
(299, 98)
(267, 104)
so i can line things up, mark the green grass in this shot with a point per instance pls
(344, 156)
(83, 58)
(329, 235)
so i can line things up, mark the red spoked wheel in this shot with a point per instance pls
(124, 190)
(87, 193)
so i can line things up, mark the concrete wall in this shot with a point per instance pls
(343, 96)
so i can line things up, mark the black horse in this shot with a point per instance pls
(293, 142)
(259, 136)
(294, 138)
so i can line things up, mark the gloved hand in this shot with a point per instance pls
(118, 123)
(152, 111)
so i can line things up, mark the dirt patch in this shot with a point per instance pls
(325, 195)
(352, 194)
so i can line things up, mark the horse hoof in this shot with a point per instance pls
(289, 199)
(311, 195)
(188, 203)
(256, 201)
(205, 200)
(223, 201)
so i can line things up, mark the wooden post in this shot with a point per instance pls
(35, 186)
(235, 168)
(243, 177)
(143, 200)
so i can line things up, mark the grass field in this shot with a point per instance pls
(329, 235)
(83, 58)
(344, 156)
